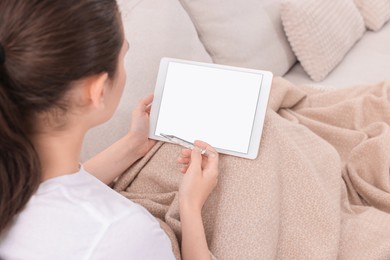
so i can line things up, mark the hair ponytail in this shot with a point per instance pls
(19, 163)
(48, 45)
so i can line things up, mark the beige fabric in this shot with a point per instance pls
(319, 188)
(321, 32)
(375, 12)
(154, 29)
(243, 33)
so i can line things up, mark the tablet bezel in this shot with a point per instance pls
(262, 104)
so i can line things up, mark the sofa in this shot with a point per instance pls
(324, 44)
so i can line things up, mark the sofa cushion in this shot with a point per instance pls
(375, 12)
(321, 32)
(154, 29)
(242, 33)
(368, 62)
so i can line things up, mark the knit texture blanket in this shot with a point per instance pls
(319, 188)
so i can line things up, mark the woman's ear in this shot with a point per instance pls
(96, 89)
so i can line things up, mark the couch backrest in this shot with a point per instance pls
(245, 33)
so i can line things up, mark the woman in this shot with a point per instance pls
(62, 73)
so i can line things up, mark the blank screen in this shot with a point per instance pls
(214, 105)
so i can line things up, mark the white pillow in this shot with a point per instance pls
(375, 12)
(321, 32)
(245, 33)
(154, 29)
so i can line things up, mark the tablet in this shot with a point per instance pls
(222, 105)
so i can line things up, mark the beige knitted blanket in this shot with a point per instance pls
(319, 188)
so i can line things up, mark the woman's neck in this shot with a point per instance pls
(59, 152)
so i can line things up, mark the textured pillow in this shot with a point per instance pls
(321, 32)
(154, 29)
(375, 12)
(245, 33)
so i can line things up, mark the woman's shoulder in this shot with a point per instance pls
(78, 211)
(83, 194)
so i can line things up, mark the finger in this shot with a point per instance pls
(213, 158)
(186, 153)
(144, 105)
(196, 160)
(147, 100)
(205, 146)
(184, 169)
(148, 108)
(183, 160)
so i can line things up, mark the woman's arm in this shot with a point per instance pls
(193, 243)
(201, 177)
(113, 161)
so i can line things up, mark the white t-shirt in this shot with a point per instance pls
(77, 216)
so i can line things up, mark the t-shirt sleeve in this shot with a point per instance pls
(138, 237)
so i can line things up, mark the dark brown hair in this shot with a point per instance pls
(48, 44)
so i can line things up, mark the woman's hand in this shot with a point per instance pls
(200, 176)
(139, 128)
(110, 163)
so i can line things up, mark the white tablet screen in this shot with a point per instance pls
(212, 106)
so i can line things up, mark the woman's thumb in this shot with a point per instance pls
(196, 157)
